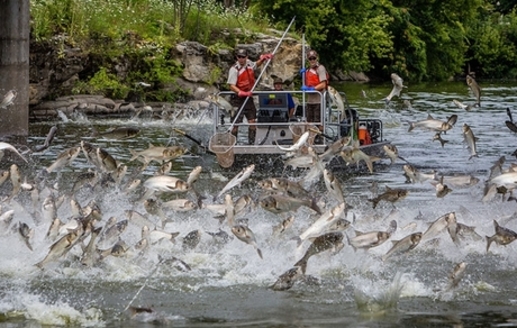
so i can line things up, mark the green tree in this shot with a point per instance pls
(346, 34)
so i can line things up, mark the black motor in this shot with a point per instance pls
(346, 123)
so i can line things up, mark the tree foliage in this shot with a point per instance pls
(418, 39)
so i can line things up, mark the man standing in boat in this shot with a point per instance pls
(241, 78)
(278, 84)
(316, 78)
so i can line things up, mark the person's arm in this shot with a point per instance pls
(263, 58)
(290, 105)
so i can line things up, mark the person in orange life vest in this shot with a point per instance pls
(278, 85)
(315, 79)
(241, 78)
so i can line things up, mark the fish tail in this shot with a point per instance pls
(488, 242)
(298, 241)
(315, 206)
(374, 201)
(134, 155)
(411, 126)
(302, 264)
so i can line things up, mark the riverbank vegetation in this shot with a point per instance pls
(420, 40)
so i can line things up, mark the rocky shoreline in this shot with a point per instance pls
(58, 64)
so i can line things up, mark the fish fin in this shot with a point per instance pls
(259, 252)
(411, 126)
(302, 264)
(134, 155)
(315, 206)
(488, 242)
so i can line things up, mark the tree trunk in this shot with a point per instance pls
(14, 65)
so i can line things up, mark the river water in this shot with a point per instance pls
(228, 284)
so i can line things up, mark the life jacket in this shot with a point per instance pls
(245, 77)
(311, 77)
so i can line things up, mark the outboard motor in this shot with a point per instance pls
(346, 124)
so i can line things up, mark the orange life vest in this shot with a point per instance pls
(245, 78)
(311, 77)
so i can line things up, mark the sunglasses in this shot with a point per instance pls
(312, 58)
(241, 56)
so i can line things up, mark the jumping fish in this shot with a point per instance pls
(236, 180)
(158, 154)
(431, 124)
(474, 87)
(337, 100)
(333, 185)
(7, 146)
(503, 236)
(8, 99)
(390, 195)
(64, 158)
(287, 279)
(280, 203)
(470, 139)
(26, 233)
(332, 240)
(243, 233)
(166, 183)
(456, 275)
(461, 105)
(372, 238)
(62, 246)
(404, 245)
(398, 85)
(296, 146)
(48, 140)
(323, 222)
(392, 152)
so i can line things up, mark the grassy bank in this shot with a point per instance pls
(143, 31)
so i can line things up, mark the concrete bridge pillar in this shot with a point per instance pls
(14, 65)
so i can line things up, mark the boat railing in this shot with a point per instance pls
(275, 125)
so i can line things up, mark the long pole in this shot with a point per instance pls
(303, 77)
(261, 73)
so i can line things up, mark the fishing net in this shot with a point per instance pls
(221, 144)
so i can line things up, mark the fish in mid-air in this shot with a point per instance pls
(237, 180)
(243, 233)
(390, 195)
(475, 88)
(397, 87)
(503, 236)
(8, 99)
(470, 140)
(404, 245)
(7, 146)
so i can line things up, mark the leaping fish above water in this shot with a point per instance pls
(397, 87)
(243, 233)
(6, 146)
(474, 87)
(8, 99)
(303, 139)
(237, 180)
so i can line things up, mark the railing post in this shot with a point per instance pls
(14, 65)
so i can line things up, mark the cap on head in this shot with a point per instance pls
(278, 80)
(241, 52)
(312, 53)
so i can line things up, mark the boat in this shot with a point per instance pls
(276, 131)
